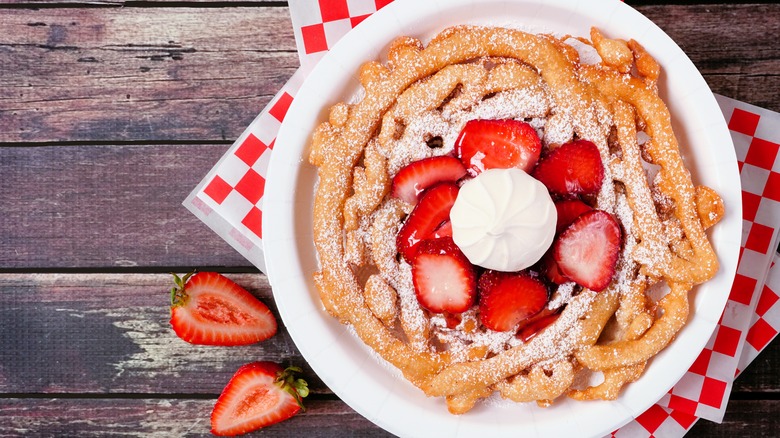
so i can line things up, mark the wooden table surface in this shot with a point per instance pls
(110, 113)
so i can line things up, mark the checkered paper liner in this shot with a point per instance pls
(229, 200)
(704, 390)
(663, 421)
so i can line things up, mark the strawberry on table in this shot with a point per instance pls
(587, 251)
(508, 298)
(489, 144)
(258, 395)
(419, 175)
(444, 279)
(571, 169)
(210, 309)
(430, 213)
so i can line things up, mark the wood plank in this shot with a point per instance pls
(110, 334)
(761, 376)
(106, 206)
(756, 418)
(733, 45)
(166, 418)
(109, 74)
(140, 73)
(323, 418)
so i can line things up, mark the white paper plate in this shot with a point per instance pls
(351, 370)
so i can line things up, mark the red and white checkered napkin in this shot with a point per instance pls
(319, 24)
(705, 389)
(764, 325)
(751, 318)
(229, 200)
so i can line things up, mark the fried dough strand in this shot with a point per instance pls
(412, 107)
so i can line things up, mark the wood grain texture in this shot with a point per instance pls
(106, 206)
(109, 117)
(102, 74)
(110, 334)
(52, 417)
(734, 46)
(135, 74)
(761, 377)
(744, 418)
(323, 418)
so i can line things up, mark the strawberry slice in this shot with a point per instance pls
(452, 320)
(588, 250)
(571, 169)
(551, 270)
(210, 309)
(445, 230)
(419, 175)
(428, 215)
(536, 324)
(259, 394)
(489, 144)
(568, 210)
(444, 279)
(508, 298)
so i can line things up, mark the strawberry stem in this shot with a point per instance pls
(298, 388)
(178, 295)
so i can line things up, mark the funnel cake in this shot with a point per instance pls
(414, 107)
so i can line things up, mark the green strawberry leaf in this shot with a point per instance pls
(297, 388)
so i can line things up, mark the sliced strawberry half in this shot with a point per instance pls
(489, 144)
(444, 279)
(445, 230)
(210, 309)
(258, 395)
(430, 213)
(508, 298)
(571, 169)
(419, 175)
(588, 250)
(551, 270)
(568, 210)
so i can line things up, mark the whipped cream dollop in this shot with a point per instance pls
(503, 219)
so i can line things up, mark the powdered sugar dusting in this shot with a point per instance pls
(406, 131)
(423, 117)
